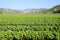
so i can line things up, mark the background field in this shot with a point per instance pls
(29, 26)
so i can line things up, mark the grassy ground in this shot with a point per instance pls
(29, 26)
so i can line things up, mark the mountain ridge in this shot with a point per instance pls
(55, 9)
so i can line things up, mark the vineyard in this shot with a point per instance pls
(29, 26)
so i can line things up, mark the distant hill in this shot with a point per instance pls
(55, 9)
(33, 10)
(5, 10)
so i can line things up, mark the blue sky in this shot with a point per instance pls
(25, 4)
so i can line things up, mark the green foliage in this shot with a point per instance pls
(29, 26)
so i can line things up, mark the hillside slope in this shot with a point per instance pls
(55, 9)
